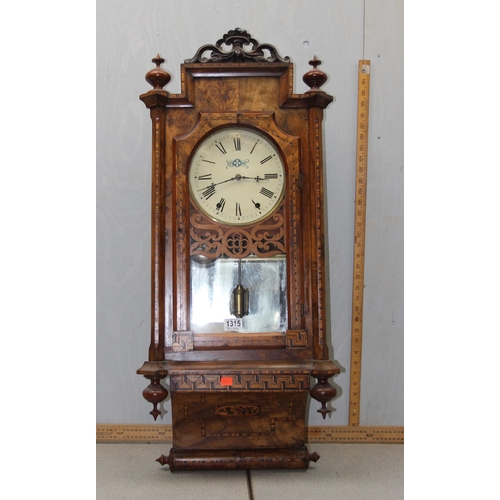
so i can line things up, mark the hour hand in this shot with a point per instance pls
(253, 178)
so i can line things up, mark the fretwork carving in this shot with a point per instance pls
(263, 240)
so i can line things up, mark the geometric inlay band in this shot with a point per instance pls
(241, 382)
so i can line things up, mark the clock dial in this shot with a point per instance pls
(237, 176)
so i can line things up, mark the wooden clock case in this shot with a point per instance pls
(239, 400)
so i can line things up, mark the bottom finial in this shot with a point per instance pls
(323, 392)
(163, 460)
(155, 412)
(155, 393)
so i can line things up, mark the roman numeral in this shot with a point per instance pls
(237, 143)
(254, 147)
(266, 192)
(266, 159)
(208, 161)
(238, 209)
(221, 148)
(220, 206)
(271, 176)
(210, 191)
(206, 177)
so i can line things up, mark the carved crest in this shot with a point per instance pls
(244, 49)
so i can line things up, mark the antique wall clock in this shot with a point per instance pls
(238, 267)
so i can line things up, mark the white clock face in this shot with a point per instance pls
(237, 176)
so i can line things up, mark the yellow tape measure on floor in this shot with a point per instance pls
(140, 433)
(358, 434)
(158, 433)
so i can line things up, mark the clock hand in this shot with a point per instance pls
(237, 177)
(253, 178)
(222, 182)
(217, 183)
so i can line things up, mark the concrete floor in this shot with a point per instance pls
(344, 471)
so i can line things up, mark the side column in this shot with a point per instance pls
(156, 101)
(323, 367)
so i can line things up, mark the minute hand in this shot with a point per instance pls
(227, 180)
(217, 183)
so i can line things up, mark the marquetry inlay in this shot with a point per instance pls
(182, 341)
(237, 410)
(240, 382)
(296, 339)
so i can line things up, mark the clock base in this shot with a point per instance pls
(239, 415)
(253, 459)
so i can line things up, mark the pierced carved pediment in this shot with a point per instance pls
(244, 49)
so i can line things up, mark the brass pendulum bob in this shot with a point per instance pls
(239, 297)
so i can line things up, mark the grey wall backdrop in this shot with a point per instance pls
(340, 33)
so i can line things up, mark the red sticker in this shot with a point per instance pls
(226, 381)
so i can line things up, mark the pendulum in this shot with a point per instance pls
(239, 297)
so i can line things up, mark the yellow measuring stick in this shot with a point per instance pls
(359, 241)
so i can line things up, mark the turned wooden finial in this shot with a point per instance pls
(323, 392)
(314, 78)
(158, 77)
(155, 393)
(163, 460)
